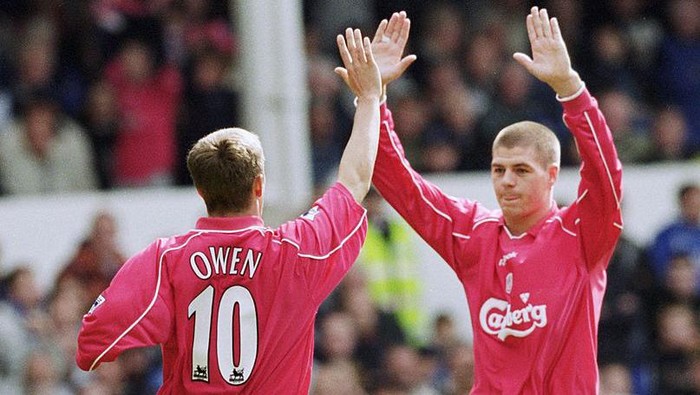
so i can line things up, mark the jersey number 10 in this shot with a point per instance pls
(201, 307)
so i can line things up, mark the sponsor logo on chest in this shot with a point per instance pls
(497, 317)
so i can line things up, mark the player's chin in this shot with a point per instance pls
(512, 209)
(509, 203)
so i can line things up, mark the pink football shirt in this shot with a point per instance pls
(232, 302)
(534, 299)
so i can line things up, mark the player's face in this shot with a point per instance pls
(522, 184)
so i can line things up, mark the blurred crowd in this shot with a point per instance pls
(640, 58)
(89, 88)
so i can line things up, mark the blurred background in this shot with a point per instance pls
(101, 99)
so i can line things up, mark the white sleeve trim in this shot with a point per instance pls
(572, 97)
(339, 246)
(602, 158)
(561, 224)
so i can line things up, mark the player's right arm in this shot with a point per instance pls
(432, 213)
(437, 217)
(327, 239)
(361, 74)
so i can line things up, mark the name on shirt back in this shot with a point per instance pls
(228, 260)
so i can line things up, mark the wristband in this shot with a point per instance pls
(382, 100)
(573, 96)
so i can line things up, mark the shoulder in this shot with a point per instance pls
(671, 229)
(483, 217)
(72, 134)
(12, 133)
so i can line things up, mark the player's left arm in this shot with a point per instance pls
(130, 313)
(600, 189)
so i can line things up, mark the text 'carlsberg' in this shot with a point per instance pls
(497, 318)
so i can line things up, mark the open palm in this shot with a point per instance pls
(550, 61)
(388, 45)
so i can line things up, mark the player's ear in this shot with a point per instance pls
(259, 186)
(553, 172)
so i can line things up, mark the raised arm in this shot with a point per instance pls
(597, 208)
(361, 74)
(442, 221)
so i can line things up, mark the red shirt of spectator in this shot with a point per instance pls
(148, 100)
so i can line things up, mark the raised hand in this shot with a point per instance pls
(550, 62)
(388, 45)
(361, 72)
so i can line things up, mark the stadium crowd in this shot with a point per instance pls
(89, 88)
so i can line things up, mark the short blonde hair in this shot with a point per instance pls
(223, 166)
(531, 134)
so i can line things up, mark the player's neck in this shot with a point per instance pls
(252, 210)
(518, 225)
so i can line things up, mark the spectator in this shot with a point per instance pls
(615, 379)
(444, 335)
(511, 103)
(680, 285)
(337, 379)
(610, 64)
(460, 374)
(142, 370)
(443, 33)
(622, 331)
(329, 124)
(331, 17)
(405, 369)
(326, 145)
(681, 236)
(98, 258)
(37, 68)
(108, 379)
(116, 20)
(451, 142)
(14, 342)
(669, 132)
(628, 126)
(148, 101)
(193, 27)
(45, 152)
(413, 114)
(679, 80)
(482, 60)
(50, 364)
(336, 372)
(43, 375)
(208, 104)
(678, 341)
(376, 329)
(392, 273)
(23, 294)
(101, 120)
(641, 30)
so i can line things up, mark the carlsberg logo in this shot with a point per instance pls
(497, 318)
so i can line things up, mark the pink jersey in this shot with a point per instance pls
(231, 302)
(534, 299)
